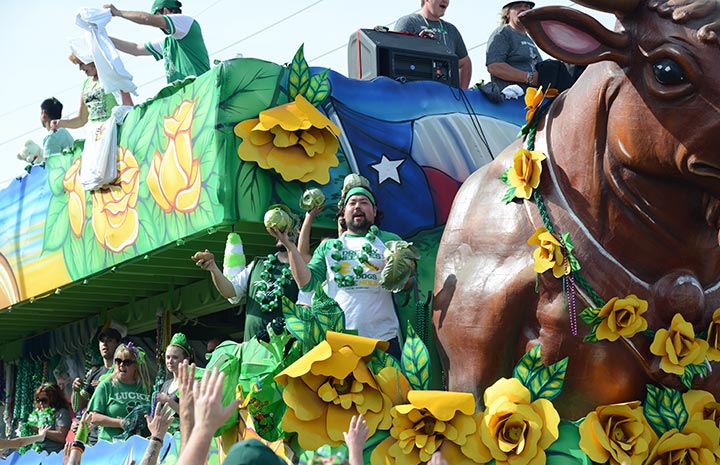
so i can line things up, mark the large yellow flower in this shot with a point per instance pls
(76, 198)
(622, 318)
(516, 430)
(330, 384)
(114, 217)
(174, 178)
(701, 405)
(713, 337)
(697, 444)
(549, 253)
(432, 421)
(534, 97)
(524, 175)
(678, 347)
(618, 433)
(294, 139)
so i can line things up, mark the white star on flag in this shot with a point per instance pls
(387, 169)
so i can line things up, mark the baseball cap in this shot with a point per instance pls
(251, 452)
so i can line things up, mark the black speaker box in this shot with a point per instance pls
(400, 56)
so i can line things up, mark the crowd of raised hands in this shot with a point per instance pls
(201, 414)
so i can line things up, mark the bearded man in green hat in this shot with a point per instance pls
(183, 48)
(263, 282)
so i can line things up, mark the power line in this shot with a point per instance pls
(268, 27)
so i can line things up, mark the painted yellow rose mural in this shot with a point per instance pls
(433, 421)
(76, 198)
(174, 177)
(295, 140)
(114, 216)
(330, 384)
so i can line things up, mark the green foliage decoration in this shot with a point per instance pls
(664, 409)
(542, 382)
(415, 360)
(299, 77)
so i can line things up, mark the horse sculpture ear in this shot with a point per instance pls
(575, 37)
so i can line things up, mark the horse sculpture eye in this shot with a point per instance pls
(669, 72)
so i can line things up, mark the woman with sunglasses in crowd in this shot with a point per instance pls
(51, 409)
(115, 397)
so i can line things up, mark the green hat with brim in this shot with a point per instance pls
(160, 4)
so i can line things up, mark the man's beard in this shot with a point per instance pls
(359, 226)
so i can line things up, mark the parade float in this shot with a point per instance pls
(575, 299)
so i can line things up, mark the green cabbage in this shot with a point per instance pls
(400, 265)
(278, 215)
(312, 198)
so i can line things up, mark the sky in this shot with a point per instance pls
(34, 36)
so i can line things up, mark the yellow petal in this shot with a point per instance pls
(338, 420)
(394, 384)
(311, 434)
(443, 405)
(153, 181)
(303, 365)
(188, 199)
(362, 346)
(306, 404)
(339, 366)
(380, 454)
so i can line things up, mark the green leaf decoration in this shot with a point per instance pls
(566, 449)
(568, 244)
(380, 359)
(57, 224)
(509, 195)
(415, 361)
(590, 337)
(691, 371)
(664, 409)
(325, 315)
(294, 321)
(299, 78)
(504, 177)
(319, 89)
(254, 189)
(590, 316)
(542, 382)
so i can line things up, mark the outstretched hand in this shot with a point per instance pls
(113, 11)
(355, 438)
(210, 413)
(160, 422)
(204, 259)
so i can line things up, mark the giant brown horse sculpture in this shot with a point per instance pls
(632, 174)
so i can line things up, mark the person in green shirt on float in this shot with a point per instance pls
(115, 397)
(183, 49)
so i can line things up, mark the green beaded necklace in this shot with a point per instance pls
(275, 276)
(347, 280)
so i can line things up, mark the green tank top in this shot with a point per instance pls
(99, 103)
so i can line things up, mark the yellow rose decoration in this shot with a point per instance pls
(114, 217)
(617, 433)
(701, 405)
(295, 140)
(713, 338)
(622, 318)
(678, 347)
(697, 444)
(76, 198)
(533, 98)
(174, 178)
(549, 253)
(524, 175)
(432, 421)
(330, 384)
(516, 430)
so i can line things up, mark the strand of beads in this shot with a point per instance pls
(271, 288)
(348, 280)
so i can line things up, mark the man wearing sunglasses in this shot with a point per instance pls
(108, 340)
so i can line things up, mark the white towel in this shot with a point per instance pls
(99, 157)
(111, 71)
(513, 91)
